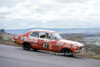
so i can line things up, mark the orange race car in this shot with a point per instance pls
(49, 41)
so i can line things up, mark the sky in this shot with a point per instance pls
(22, 14)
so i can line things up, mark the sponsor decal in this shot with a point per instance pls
(59, 43)
(23, 38)
(29, 39)
(46, 40)
(50, 46)
(68, 45)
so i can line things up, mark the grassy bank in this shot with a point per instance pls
(11, 43)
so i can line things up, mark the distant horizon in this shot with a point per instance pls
(59, 30)
(52, 28)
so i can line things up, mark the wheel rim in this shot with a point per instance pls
(26, 46)
(67, 52)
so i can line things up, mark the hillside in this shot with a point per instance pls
(59, 30)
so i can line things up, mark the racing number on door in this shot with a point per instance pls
(45, 45)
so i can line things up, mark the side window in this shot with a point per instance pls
(44, 35)
(35, 34)
(53, 37)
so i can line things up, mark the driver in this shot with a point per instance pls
(47, 35)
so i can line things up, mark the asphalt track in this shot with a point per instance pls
(11, 56)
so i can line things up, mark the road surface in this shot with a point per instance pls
(11, 56)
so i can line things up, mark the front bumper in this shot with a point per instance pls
(79, 50)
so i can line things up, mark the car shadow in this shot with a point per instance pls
(48, 53)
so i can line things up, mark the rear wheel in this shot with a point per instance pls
(67, 52)
(26, 46)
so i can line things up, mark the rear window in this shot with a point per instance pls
(35, 34)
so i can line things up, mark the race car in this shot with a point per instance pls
(48, 40)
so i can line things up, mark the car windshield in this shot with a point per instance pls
(56, 36)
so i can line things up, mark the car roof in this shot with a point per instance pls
(42, 30)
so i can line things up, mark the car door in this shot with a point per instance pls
(33, 38)
(44, 42)
(53, 43)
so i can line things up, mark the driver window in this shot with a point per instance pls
(44, 35)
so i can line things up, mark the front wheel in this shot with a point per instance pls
(26, 46)
(67, 52)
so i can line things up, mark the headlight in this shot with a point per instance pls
(74, 46)
(81, 48)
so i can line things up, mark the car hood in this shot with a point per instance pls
(71, 42)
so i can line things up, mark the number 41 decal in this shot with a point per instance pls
(45, 45)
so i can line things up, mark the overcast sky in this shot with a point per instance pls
(19, 14)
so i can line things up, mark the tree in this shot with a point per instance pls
(0, 36)
(79, 38)
(70, 37)
(2, 30)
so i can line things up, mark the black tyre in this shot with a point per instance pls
(67, 52)
(26, 46)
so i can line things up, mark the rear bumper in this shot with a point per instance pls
(13, 40)
(17, 42)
